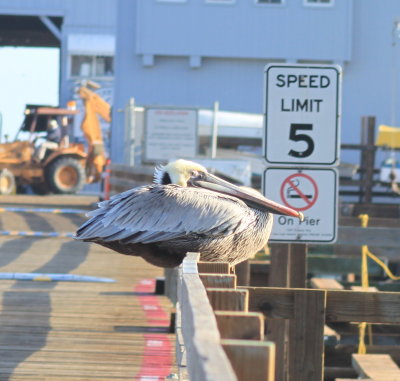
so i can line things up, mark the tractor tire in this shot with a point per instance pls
(65, 175)
(7, 182)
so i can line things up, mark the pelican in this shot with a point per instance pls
(186, 209)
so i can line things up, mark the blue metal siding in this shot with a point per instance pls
(245, 30)
(368, 79)
(78, 13)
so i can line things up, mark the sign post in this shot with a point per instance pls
(301, 147)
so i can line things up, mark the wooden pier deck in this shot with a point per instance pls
(70, 331)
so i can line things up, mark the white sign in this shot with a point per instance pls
(302, 114)
(170, 132)
(311, 191)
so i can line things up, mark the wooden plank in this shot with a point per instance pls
(289, 265)
(259, 273)
(205, 356)
(273, 302)
(334, 264)
(373, 222)
(218, 280)
(331, 372)
(306, 336)
(214, 267)
(363, 306)
(180, 349)
(376, 236)
(341, 306)
(228, 300)
(377, 367)
(279, 268)
(361, 288)
(367, 157)
(61, 330)
(251, 360)
(341, 353)
(325, 284)
(240, 325)
(298, 265)
(242, 271)
(278, 330)
(171, 283)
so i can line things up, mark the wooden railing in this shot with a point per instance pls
(217, 338)
(124, 177)
(220, 326)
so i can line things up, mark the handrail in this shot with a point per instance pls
(206, 359)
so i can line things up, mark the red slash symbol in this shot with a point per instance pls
(299, 191)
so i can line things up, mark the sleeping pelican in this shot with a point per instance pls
(186, 209)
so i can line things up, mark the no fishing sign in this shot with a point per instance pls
(311, 191)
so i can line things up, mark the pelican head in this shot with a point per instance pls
(189, 174)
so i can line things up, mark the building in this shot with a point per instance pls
(193, 52)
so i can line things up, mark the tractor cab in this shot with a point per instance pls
(62, 167)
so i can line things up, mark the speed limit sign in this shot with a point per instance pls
(302, 114)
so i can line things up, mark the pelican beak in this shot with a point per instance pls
(249, 196)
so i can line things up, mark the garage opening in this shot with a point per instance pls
(30, 67)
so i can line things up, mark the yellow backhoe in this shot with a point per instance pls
(66, 168)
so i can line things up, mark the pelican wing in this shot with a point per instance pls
(157, 213)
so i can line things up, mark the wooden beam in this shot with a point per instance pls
(298, 265)
(377, 367)
(279, 268)
(385, 237)
(259, 273)
(288, 269)
(278, 330)
(331, 372)
(228, 300)
(240, 325)
(251, 360)
(214, 267)
(340, 264)
(171, 283)
(341, 353)
(205, 357)
(363, 306)
(218, 280)
(361, 288)
(367, 156)
(242, 271)
(306, 336)
(341, 306)
(325, 284)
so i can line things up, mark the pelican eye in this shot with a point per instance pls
(198, 175)
(195, 176)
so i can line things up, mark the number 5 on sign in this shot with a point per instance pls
(302, 115)
(294, 135)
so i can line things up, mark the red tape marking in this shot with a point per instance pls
(157, 355)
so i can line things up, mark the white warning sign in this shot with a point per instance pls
(311, 191)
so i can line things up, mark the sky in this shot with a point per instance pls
(27, 75)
